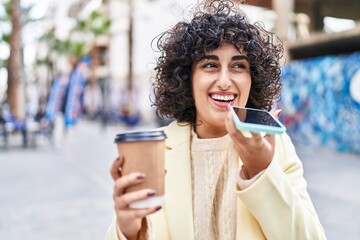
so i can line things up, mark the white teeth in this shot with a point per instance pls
(223, 97)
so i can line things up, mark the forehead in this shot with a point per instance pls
(227, 47)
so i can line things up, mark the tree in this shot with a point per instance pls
(130, 49)
(15, 61)
(17, 17)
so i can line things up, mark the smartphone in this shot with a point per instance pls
(257, 121)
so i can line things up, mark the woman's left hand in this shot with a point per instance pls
(256, 152)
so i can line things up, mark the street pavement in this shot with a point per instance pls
(333, 183)
(63, 191)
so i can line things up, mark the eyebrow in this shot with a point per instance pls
(215, 57)
(240, 57)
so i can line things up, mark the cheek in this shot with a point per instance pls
(199, 86)
(245, 85)
(244, 89)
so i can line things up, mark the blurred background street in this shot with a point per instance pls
(62, 192)
(65, 192)
(59, 192)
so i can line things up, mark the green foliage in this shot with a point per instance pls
(68, 47)
(44, 61)
(4, 19)
(5, 14)
(59, 47)
(5, 11)
(74, 48)
(3, 63)
(7, 6)
(5, 37)
(97, 24)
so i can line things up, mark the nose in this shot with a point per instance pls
(224, 81)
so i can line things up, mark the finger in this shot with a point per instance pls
(277, 113)
(270, 138)
(229, 123)
(126, 181)
(141, 213)
(115, 169)
(256, 136)
(127, 199)
(130, 215)
(230, 126)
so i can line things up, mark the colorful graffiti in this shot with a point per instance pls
(321, 103)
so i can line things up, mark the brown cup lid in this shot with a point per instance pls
(140, 136)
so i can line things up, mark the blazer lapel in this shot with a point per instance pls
(178, 196)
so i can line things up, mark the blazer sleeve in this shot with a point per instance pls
(157, 225)
(279, 200)
(112, 232)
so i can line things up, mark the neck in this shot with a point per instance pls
(204, 131)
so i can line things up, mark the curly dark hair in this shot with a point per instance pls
(187, 42)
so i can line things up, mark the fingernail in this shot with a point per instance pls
(228, 107)
(150, 194)
(158, 208)
(140, 176)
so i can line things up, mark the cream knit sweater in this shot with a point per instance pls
(215, 171)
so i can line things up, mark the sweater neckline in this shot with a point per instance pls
(209, 144)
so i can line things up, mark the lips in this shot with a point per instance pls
(223, 98)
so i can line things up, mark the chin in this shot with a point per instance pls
(220, 118)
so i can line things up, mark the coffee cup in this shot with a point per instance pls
(144, 152)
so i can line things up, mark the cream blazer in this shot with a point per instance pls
(276, 206)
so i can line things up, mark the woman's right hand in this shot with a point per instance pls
(129, 220)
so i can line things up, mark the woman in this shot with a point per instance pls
(219, 183)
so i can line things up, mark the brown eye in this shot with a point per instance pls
(239, 65)
(209, 65)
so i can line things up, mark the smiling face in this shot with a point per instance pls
(220, 78)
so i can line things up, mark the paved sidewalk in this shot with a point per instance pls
(333, 183)
(65, 192)
(58, 193)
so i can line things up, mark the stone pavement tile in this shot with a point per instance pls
(44, 195)
(333, 183)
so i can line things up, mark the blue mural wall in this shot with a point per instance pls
(321, 101)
